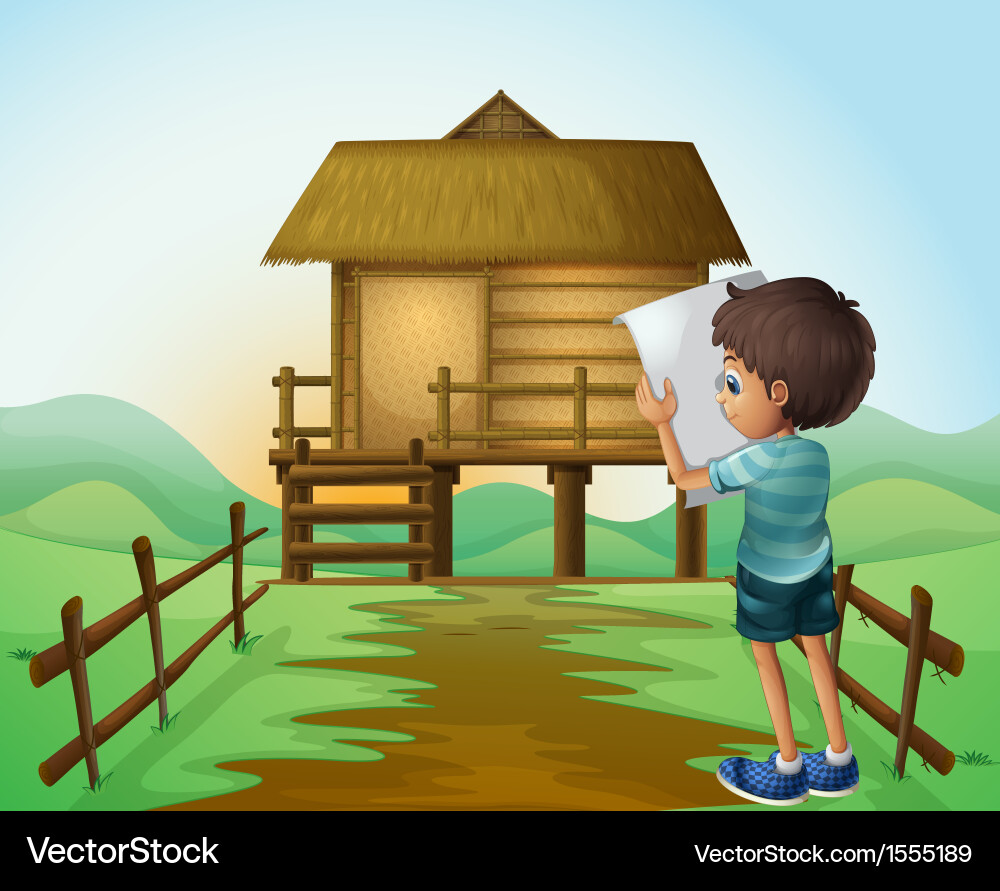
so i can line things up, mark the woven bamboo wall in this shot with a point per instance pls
(410, 326)
(604, 303)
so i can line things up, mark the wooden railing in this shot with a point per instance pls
(579, 390)
(79, 644)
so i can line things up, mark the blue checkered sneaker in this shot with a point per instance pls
(828, 779)
(758, 781)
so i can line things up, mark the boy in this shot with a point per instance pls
(796, 355)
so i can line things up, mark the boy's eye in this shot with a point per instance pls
(734, 383)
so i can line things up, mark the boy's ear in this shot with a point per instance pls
(779, 393)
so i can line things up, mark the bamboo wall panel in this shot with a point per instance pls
(568, 339)
(409, 327)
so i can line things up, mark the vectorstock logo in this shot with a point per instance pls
(139, 850)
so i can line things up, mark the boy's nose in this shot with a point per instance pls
(720, 397)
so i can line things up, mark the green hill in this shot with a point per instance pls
(98, 472)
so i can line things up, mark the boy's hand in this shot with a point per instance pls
(652, 409)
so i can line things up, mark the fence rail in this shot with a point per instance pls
(580, 389)
(922, 645)
(300, 552)
(80, 644)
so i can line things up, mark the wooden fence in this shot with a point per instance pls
(579, 390)
(299, 551)
(81, 643)
(921, 644)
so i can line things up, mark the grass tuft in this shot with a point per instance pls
(102, 781)
(892, 773)
(245, 645)
(165, 724)
(22, 655)
(975, 759)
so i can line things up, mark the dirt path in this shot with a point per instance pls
(506, 730)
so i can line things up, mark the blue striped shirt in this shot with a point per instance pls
(785, 535)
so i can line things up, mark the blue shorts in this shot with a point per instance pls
(773, 611)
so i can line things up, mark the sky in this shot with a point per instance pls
(151, 152)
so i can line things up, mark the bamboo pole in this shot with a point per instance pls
(303, 495)
(415, 497)
(237, 517)
(336, 354)
(841, 586)
(296, 432)
(580, 407)
(579, 357)
(287, 530)
(357, 357)
(487, 341)
(550, 320)
(303, 380)
(76, 656)
(701, 273)
(639, 285)
(535, 389)
(920, 624)
(540, 457)
(143, 554)
(286, 410)
(545, 433)
(444, 407)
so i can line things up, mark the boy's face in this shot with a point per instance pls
(745, 400)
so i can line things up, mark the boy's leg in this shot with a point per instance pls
(825, 682)
(775, 693)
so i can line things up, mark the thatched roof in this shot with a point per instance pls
(498, 200)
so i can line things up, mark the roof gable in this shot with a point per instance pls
(500, 118)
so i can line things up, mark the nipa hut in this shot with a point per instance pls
(500, 253)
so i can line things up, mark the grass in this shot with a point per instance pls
(245, 709)
(98, 787)
(974, 759)
(895, 775)
(245, 644)
(166, 724)
(22, 655)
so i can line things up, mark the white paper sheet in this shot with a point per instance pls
(674, 339)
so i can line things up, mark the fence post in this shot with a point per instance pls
(416, 458)
(580, 407)
(302, 532)
(72, 622)
(237, 515)
(444, 407)
(286, 406)
(842, 586)
(147, 579)
(920, 624)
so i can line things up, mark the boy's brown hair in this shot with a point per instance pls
(801, 331)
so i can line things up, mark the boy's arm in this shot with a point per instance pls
(658, 413)
(682, 477)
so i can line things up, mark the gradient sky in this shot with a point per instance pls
(152, 151)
